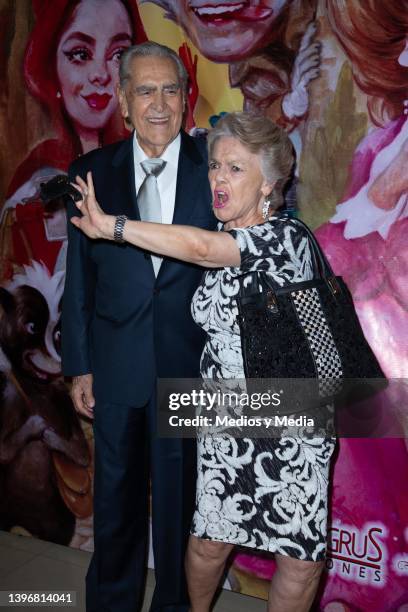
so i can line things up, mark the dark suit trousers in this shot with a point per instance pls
(126, 449)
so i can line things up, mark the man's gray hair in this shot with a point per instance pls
(151, 49)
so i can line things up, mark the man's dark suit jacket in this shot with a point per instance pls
(119, 322)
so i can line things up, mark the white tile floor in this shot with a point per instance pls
(31, 564)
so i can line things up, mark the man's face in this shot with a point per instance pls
(153, 100)
(225, 30)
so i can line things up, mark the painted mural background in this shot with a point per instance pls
(334, 74)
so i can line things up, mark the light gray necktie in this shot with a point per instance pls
(148, 198)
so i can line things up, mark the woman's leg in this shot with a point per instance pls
(205, 562)
(294, 584)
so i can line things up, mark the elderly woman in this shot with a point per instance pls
(268, 495)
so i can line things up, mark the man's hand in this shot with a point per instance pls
(82, 395)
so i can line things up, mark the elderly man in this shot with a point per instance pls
(126, 322)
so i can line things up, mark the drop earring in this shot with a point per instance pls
(58, 94)
(265, 209)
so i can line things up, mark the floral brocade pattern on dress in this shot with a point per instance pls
(266, 494)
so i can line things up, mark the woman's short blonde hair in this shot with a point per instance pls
(264, 138)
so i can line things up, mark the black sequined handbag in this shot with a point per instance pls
(307, 330)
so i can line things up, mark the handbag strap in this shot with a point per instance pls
(321, 268)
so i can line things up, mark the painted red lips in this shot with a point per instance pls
(98, 101)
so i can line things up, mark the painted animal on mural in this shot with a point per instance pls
(44, 456)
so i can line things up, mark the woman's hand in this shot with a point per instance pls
(195, 245)
(94, 222)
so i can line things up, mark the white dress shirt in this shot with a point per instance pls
(167, 179)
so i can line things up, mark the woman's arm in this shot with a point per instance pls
(198, 246)
(203, 247)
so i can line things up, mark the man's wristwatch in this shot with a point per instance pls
(119, 227)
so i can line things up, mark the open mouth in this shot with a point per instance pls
(158, 120)
(218, 12)
(98, 101)
(220, 198)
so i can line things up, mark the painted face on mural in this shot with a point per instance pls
(237, 183)
(88, 57)
(153, 100)
(225, 30)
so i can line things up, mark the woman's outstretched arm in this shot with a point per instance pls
(192, 244)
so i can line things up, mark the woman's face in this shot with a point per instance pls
(237, 183)
(88, 57)
(225, 30)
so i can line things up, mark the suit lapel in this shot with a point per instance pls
(186, 189)
(189, 163)
(124, 200)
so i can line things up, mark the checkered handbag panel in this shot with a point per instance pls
(322, 346)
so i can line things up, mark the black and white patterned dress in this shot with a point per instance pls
(265, 494)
